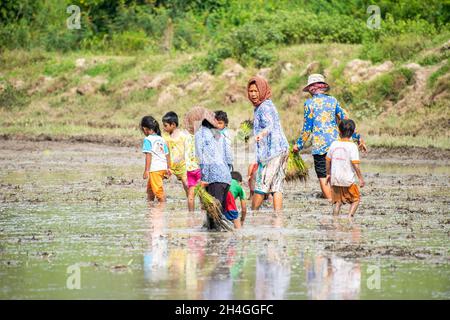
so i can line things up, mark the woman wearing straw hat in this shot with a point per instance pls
(271, 145)
(322, 113)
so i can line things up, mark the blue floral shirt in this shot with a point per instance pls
(267, 121)
(214, 155)
(320, 120)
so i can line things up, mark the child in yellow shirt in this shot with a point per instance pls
(176, 138)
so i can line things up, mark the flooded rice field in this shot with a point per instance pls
(74, 224)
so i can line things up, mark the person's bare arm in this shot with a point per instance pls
(243, 207)
(362, 145)
(168, 165)
(243, 211)
(250, 173)
(148, 162)
(328, 165)
(359, 174)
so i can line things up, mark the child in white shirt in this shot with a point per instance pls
(157, 159)
(342, 168)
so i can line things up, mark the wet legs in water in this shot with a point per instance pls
(258, 199)
(150, 196)
(191, 199)
(353, 207)
(326, 191)
(337, 208)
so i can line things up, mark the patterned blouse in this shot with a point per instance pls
(274, 142)
(189, 157)
(320, 121)
(214, 156)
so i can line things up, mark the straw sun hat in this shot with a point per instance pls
(315, 78)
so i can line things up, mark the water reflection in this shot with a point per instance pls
(332, 277)
(273, 273)
(156, 256)
(219, 283)
(203, 265)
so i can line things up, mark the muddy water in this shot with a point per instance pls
(75, 216)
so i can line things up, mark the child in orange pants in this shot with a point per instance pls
(156, 159)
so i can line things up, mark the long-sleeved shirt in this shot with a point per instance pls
(267, 121)
(214, 156)
(320, 121)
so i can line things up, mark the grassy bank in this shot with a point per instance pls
(85, 94)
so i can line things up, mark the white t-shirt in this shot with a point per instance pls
(342, 154)
(156, 145)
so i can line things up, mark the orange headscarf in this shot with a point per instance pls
(263, 87)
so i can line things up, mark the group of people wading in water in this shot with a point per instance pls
(202, 154)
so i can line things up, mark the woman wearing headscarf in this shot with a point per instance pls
(322, 113)
(213, 154)
(271, 148)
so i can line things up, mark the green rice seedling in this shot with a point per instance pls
(213, 209)
(296, 167)
(245, 130)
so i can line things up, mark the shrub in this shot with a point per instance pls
(366, 109)
(193, 66)
(395, 48)
(387, 86)
(215, 56)
(152, 21)
(397, 40)
(18, 58)
(54, 69)
(408, 74)
(294, 83)
(11, 98)
(129, 41)
(437, 74)
(188, 33)
(434, 58)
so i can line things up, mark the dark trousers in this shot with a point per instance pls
(320, 165)
(219, 191)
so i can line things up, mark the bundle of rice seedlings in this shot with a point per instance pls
(213, 210)
(245, 130)
(296, 167)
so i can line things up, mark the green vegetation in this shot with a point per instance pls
(248, 31)
(132, 57)
(439, 73)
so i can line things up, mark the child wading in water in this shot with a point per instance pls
(222, 125)
(342, 165)
(176, 140)
(193, 172)
(238, 193)
(156, 159)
